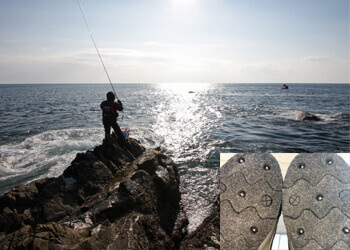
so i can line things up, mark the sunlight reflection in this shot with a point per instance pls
(182, 116)
(184, 88)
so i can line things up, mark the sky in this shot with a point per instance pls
(172, 41)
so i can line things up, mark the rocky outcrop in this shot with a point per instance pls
(305, 116)
(108, 197)
(207, 235)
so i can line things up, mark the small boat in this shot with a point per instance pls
(284, 86)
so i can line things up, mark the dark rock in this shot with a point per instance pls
(305, 116)
(207, 235)
(48, 236)
(104, 199)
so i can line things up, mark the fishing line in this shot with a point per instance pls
(98, 52)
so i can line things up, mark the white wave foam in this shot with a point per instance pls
(44, 155)
(325, 117)
(289, 114)
(294, 114)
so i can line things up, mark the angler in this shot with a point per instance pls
(110, 110)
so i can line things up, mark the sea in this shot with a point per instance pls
(44, 126)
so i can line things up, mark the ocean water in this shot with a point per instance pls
(43, 127)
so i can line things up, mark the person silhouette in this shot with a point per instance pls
(110, 110)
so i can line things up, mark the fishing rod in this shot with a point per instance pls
(98, 52)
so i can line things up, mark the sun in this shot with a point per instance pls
(183, 3)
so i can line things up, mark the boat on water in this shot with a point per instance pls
(284, 86)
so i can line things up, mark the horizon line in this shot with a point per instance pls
(41, 83)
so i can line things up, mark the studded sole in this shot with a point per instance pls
(250, 200)
(316, 202)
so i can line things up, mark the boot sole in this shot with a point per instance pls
(316, 202)
(250, 200)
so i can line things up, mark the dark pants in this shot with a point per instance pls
(108, 123)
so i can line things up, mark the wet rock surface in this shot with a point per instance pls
(305, 116)
(108, 197)
(207, 235)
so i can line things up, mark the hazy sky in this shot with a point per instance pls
(152, 41)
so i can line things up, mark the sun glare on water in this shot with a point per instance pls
(184, 88)
(182, 117)
(181, 113)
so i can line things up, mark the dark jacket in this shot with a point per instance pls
(110, 109)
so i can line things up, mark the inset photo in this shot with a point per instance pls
(284, 201)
